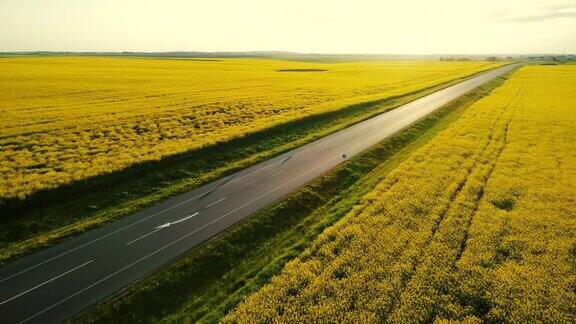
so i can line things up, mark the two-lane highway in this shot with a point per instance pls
(56, 283)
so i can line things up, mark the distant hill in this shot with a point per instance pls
(257, 54)
(309, 57)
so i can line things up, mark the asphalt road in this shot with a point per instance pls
(58, 282)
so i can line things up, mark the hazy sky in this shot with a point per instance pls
(320, 26)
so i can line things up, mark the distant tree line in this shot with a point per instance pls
(455, 59)
(468, 59)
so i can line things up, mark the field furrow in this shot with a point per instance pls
(434, 278)
(453, 232)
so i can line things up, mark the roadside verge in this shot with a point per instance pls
(207, 282)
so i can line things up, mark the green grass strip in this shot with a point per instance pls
(42, 220)
(210, 280)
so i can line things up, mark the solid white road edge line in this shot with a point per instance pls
(317, 142)
(216, 202)
(311, 157)
(100, 238)
(162, 227)
(251, 173)
(174, 242)
(277, 173)
(145, 235)
(45, 282)
(486, 73)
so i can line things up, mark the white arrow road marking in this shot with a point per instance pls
(176, 241)
(164, 226)
(177, 221)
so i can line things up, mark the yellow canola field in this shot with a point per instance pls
(479, 224)
(66, 119)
